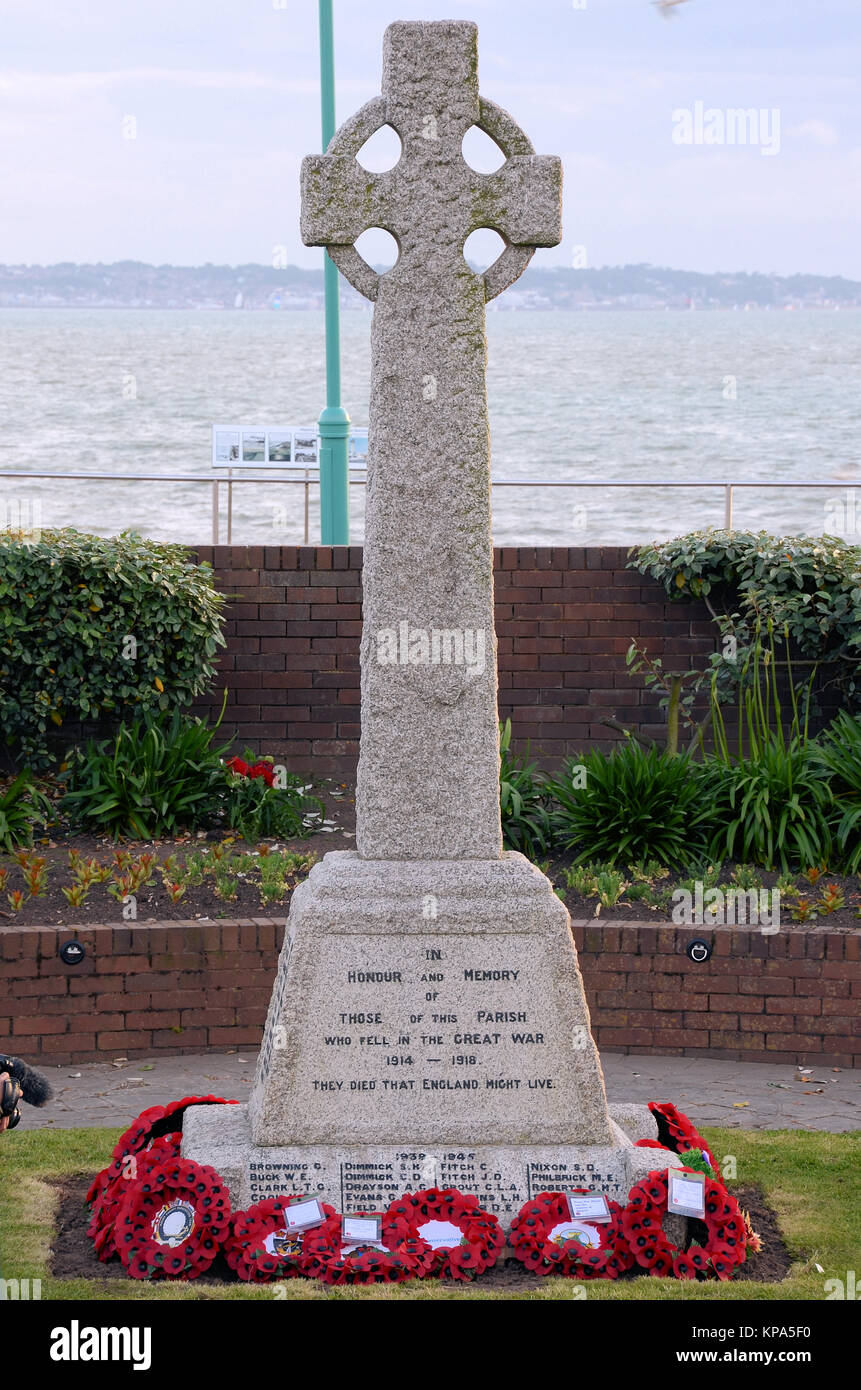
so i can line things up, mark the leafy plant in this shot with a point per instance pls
(809, 588)
(803, 910)
(22, 807)
(611, 884)
(255, 810)
(582, 879)
(279, 871)
(706, 874)
(639, 892)
(523, 801)
(273, 878)
(649, 871)
(831, 900)
(35, 876)
(679, 691)
(745, 876)
(92, 628)
(89, 871)
(839, 752)
(786, 886)
(75, 895)
(773, 809)
(157, 776)
(225, 880)
(771, 804)
(196, 865)
(120, 887)
(630, 806)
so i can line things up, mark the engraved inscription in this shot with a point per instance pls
(370, 1181)
(443, 1025)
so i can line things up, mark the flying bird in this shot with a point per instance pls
(668, 7)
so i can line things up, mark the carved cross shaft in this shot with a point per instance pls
(428, 769)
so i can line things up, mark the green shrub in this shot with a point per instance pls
(160, 775)
(93, 628)
(772, 809)
(523, 802)
(630, 806)
(807, 587)
(22, 807)
(157, 776)
(838, 752)
(771, 803)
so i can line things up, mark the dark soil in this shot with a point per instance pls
(848, 887)
(72, 1255)
(154, 904)
(203, 903)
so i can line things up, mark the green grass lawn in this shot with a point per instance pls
(812, 1181)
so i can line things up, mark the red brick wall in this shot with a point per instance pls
(791, 997)
(564, 619)
(186, 987)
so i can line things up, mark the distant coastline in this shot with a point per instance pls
(135, 285)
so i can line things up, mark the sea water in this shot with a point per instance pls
(587, 397)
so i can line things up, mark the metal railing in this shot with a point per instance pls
(310, 478)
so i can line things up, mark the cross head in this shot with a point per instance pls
(431, 200)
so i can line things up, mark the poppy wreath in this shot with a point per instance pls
(324, 1257)
(108, 1188)
(107, 1203)
(194, 1196)
(530, 1240)
(156, 1122)
(245, 1248)
(642, 1223)
(677, 1133)
(481, 1236)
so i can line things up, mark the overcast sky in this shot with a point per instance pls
(224, 94)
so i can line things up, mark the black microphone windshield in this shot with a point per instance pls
(35, 1088)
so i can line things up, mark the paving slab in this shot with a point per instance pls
(743, 1095)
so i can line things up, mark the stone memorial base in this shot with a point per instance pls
(428, 1027)
(370, 1177)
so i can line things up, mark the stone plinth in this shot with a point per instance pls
(428, 1002)
(365, 1177)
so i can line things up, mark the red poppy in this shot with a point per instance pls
(259, 769)
(155, 1135)
(677, 1133)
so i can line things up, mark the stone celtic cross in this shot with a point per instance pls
(428, 785)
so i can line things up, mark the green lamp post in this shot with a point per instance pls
(334, 421)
